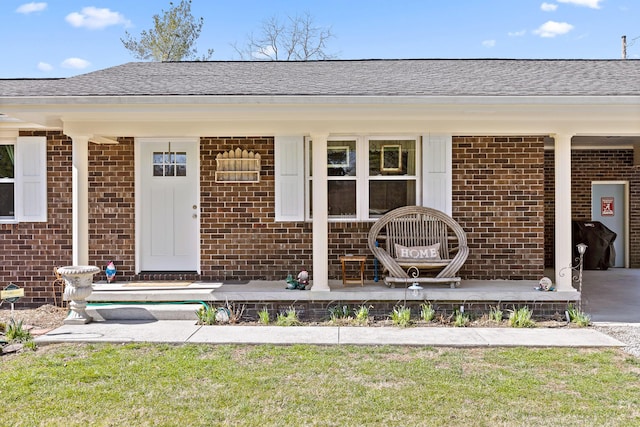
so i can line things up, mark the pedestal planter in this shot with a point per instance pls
(78, 280)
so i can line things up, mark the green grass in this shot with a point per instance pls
(195, 385)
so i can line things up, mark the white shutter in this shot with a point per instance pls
(31, 179)
(289, 178)
(436, 174)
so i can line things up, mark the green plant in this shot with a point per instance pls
(577, 316)
(3, 326)
(30, 345)
(521, 318)
(339, 312)
(362, 314)
(495, 314)
(15, 332)
(427, 313)
(289, 318)
(461, 320)
(263, 316)
(206, 315)
(401, 316)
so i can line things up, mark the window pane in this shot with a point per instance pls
(157, 170)
(181, 170)
(387, 195)
(6, 161)
(341, 158)
(392, 157)
(6, 200)
(157, 158)
(342, 198)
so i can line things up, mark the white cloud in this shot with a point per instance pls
(552, 29)
(75, 63)
(593, 4)
(31, 7)
(517, 33)
(43, 66)
(548, 7)
(489, 43)
(96, 19)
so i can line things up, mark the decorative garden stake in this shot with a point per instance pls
(78, 281)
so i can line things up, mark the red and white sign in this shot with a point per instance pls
(606, 206)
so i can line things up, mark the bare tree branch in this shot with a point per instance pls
(299, 40)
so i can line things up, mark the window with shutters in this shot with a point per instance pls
(367, 176)
(23, 179)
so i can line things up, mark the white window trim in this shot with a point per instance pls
(362, 178)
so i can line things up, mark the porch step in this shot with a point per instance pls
(149, 312)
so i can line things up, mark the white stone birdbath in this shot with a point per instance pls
(78, 280)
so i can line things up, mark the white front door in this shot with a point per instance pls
(168, 189)
(609, 206)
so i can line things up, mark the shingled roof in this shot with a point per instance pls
(394, 78)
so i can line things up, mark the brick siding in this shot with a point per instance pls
(31, 250)
(498, 198)
(588, 166)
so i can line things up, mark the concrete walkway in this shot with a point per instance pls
(186, 331)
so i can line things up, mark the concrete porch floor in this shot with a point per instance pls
(264, 291)
(608, 296)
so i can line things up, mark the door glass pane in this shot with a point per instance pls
(387, 195)
(169, 164)
(6, 200)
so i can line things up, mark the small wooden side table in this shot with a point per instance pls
(352, 280)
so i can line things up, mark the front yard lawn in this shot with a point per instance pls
(192, 385)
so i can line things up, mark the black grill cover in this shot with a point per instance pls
(600, 254)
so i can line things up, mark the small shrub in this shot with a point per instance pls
(206, 315)
(495, 314)
(427, 313)
(290, 318)
(15, 332)
(577, 316)
(340, 313)
(235, 312)
(401, 316)
(30, 345)
(263, 316)
(521, 318)
(362, 315)
(460, 320)
(3, 326)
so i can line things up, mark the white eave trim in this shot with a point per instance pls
(320, 100)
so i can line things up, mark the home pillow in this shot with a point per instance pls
(417, 253)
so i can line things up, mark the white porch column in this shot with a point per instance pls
(80, 195)
(320, 214)
(563, 242)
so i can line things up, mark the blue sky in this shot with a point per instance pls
(59, 38)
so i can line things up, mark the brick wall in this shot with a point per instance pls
(31, 250)
(112, 207)
(588, 166)
(240, 239)
(498, 198)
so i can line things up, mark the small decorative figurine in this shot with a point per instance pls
(301, 282)
(110, 271)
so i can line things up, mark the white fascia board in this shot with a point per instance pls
(320, 100)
